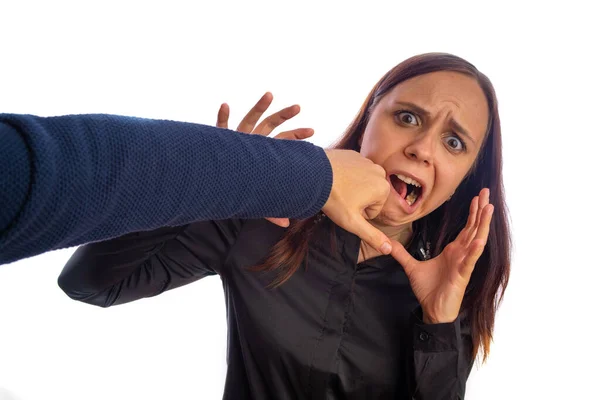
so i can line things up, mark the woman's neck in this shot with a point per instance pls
(402, 234)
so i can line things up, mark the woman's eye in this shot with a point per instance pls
(454, 143)
(408, 118)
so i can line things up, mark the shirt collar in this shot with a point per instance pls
(350, 244)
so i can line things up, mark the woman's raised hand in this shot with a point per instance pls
(440, 283)
(267, 125)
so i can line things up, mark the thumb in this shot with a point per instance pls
(399, 253)
(223, 116)
(373, 236)
(282, 222)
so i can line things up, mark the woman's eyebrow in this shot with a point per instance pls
(453, 124)
(414, 107)
(459, 129)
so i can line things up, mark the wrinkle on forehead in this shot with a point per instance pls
(449, 94)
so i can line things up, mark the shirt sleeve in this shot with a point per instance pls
(145, 264)
(70, 180)
(441, 359)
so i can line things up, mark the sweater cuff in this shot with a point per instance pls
(327, 173)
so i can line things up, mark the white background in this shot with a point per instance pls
(179, 60)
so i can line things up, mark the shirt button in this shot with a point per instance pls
(423, 336)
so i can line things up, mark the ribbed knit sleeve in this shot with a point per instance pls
(75, 179)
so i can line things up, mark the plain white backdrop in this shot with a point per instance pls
(181, 59)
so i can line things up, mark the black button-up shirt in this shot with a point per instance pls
(337, 329)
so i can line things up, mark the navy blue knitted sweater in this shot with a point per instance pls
(69, 180)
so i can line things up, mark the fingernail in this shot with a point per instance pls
(386, 248)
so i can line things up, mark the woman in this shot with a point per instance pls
(352, 323)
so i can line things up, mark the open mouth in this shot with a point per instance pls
(408, 189)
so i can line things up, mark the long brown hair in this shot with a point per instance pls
(490, 277)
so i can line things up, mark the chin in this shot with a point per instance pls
(395, 217)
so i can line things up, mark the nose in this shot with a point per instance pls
(421, 149)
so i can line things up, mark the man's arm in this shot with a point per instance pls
(69, 180)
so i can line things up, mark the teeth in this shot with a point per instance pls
(406, 179)
(410, 199)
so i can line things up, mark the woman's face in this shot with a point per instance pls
(426, 133)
